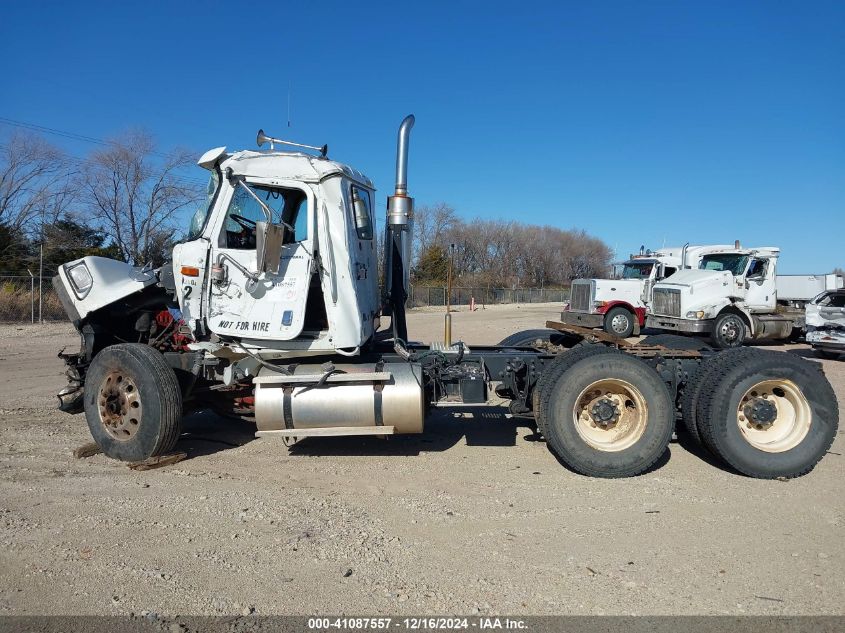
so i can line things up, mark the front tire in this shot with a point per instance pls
(729, 331)
(619, 322)
(767, 414)
(133, 403)
(609, 415)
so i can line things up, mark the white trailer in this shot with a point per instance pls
(798, 290)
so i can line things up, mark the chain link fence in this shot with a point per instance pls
(29, 300)
(25, 299)
(436, 295)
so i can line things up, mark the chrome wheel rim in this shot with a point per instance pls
(619, 323)
(730, 329)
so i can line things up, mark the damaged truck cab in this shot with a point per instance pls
(284, 256)
(280, 257)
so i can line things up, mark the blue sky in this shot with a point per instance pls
(637, 121)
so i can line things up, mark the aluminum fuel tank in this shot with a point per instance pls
(353, 395)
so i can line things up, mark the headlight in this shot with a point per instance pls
(80, 279)
(700, 314)
(599, 304)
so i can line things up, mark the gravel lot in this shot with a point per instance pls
(475, 516)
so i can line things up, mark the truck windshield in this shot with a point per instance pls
(637, 271)
(734, 264)
(201, 214)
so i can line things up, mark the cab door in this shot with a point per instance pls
(363, 255)
(760, 292)
(265, 306)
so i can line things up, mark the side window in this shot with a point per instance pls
(668, 271)
(360, 201)
(836, 301)
(757, 268)
(287, 205)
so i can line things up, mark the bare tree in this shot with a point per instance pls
(430, 224)
(135, 197)
(505, 253)
(36, 183)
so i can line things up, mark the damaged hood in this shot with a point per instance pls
(88, 284)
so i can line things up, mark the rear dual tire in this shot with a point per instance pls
(531, 338)
(766, 414)
(607, 414)
(560, 365)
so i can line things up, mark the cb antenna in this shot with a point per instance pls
(288, 102)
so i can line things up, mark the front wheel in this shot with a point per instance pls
(609, 415)
(729, 330)
(619, 322)
(133, 403)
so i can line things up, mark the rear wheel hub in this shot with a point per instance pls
(761, 411)
(604, 412)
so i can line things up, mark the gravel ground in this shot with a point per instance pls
(474, 516)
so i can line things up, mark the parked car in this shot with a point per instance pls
(826, 324)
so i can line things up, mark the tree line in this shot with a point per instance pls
(122, 200)
(501, 253)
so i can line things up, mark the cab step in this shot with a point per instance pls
(329, 431)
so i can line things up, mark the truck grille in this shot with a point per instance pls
(666, 302)
(580, 299)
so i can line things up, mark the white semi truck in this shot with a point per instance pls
(735, 296)
(270, 310)
(619, 305)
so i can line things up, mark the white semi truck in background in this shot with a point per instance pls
(735, 296)
(619, 305)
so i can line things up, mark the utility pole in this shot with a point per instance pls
(41, 270)
(31, 295)
(449, 279)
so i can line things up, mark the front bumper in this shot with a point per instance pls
(689, 326)
(583, 319)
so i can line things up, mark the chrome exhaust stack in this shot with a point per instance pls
(398, 237)
(400, 207)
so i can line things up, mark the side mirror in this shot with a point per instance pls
(268, 246)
